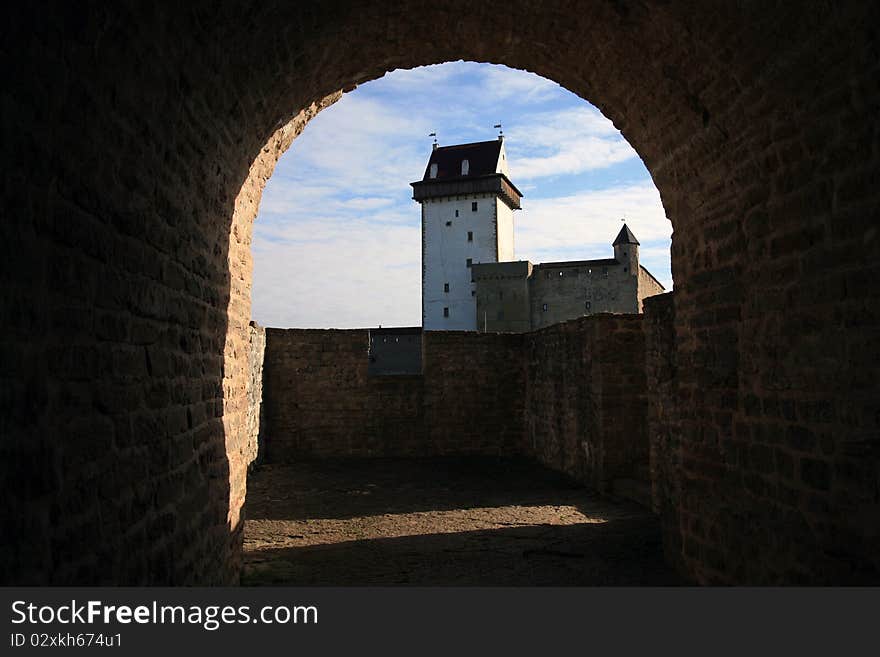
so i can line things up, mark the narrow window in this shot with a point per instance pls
(470, 236)
(469, 262)
(433, 173)
(605, 271)
(448, 223)
(473, 206)
(465, 167)
(560, 274)
(456, 213)
(587, 305)
(446, 287)
(544, 307)
(624, 270)
(446, 312)
(473, 293)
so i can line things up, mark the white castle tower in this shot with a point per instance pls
(467, 218)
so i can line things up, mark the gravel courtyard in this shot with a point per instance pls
(443, 521)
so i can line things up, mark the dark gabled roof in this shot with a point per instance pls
(625, 236)
(482, 157)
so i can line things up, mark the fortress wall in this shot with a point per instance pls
(320, 401)
(585, 408)
(663, 435)
(571, 395)
(567, 288)
(474, 392)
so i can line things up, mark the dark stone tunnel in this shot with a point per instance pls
(136, 142)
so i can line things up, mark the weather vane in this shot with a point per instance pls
(434, 135)
(500, 131)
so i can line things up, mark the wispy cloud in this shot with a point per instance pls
(365, 276)
(567, 141)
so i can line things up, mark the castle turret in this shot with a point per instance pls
(467, 218)
(626, 250)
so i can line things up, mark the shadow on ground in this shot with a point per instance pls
(347, 488)
(442, 521)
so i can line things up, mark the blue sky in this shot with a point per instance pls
(337, 241)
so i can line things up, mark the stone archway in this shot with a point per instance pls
(139, 141)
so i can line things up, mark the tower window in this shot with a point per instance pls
(473, 206)
(433, 172)
(469, 262)
(456, 213)
(446, 287)
(473, 293)
(561, 274)
(544, 307)
(587, 305)
(446, 312)
(448, 223)
(470, 236)
(465, 167)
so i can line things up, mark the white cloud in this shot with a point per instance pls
(590, 221)
(502, 83)
(364, 276)
(568, 141)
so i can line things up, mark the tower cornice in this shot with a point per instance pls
(493, 183)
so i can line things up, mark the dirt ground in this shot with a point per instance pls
(445, 521)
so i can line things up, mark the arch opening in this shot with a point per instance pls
(575, 168)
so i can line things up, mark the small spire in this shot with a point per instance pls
(434, 135)
(625, 236)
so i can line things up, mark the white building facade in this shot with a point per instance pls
(467, 204)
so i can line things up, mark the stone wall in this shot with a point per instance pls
(585, 409)
(256, 359)
(474, 386)
(519, 296)
(321, 401)
(571, 395)
(663, 436)
(564, 288)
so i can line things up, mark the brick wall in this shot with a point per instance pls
(663, 436)
(585, 408)
(256, 358)
(571, 395)
(320, 400)
(474, 385)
